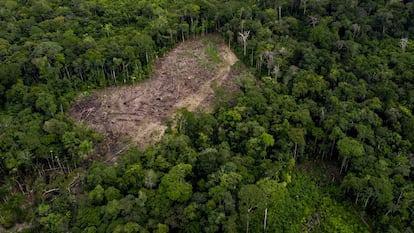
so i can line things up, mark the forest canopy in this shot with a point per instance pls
(329, 90)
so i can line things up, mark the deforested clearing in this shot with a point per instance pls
(181, 79)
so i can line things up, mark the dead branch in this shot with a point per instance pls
(50, 191)
(73, 181)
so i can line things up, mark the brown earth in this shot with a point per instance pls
(181, 79)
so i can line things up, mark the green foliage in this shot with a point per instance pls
(268, 139)
(350, 148)
(97, 195)
(336, 83)
(10, 211)
(112, 193)
(161, 228)
(338, 218)
(174, 185)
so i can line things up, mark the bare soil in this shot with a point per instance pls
(181, 79)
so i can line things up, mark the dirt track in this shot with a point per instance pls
(182, 79)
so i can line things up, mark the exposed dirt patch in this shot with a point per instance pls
(326, 172)
(182, 79)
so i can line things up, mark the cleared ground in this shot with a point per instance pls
(181, 79)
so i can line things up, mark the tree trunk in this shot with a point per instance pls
(81, 76)
(113, 75)
(48, 162)
(296, 148)
(280, 13)
(252, 61)
(366, 202)
(332, 147)
(398, 201)
(192, 25)
(304, 7)
(67, 71)
(20, 186)
(265, 221)
(60, 165)
(343, 165)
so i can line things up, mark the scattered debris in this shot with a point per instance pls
(182, 79)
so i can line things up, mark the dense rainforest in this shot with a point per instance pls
(330, 86)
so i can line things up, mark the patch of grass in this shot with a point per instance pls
(212, 57)
(213, 54)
